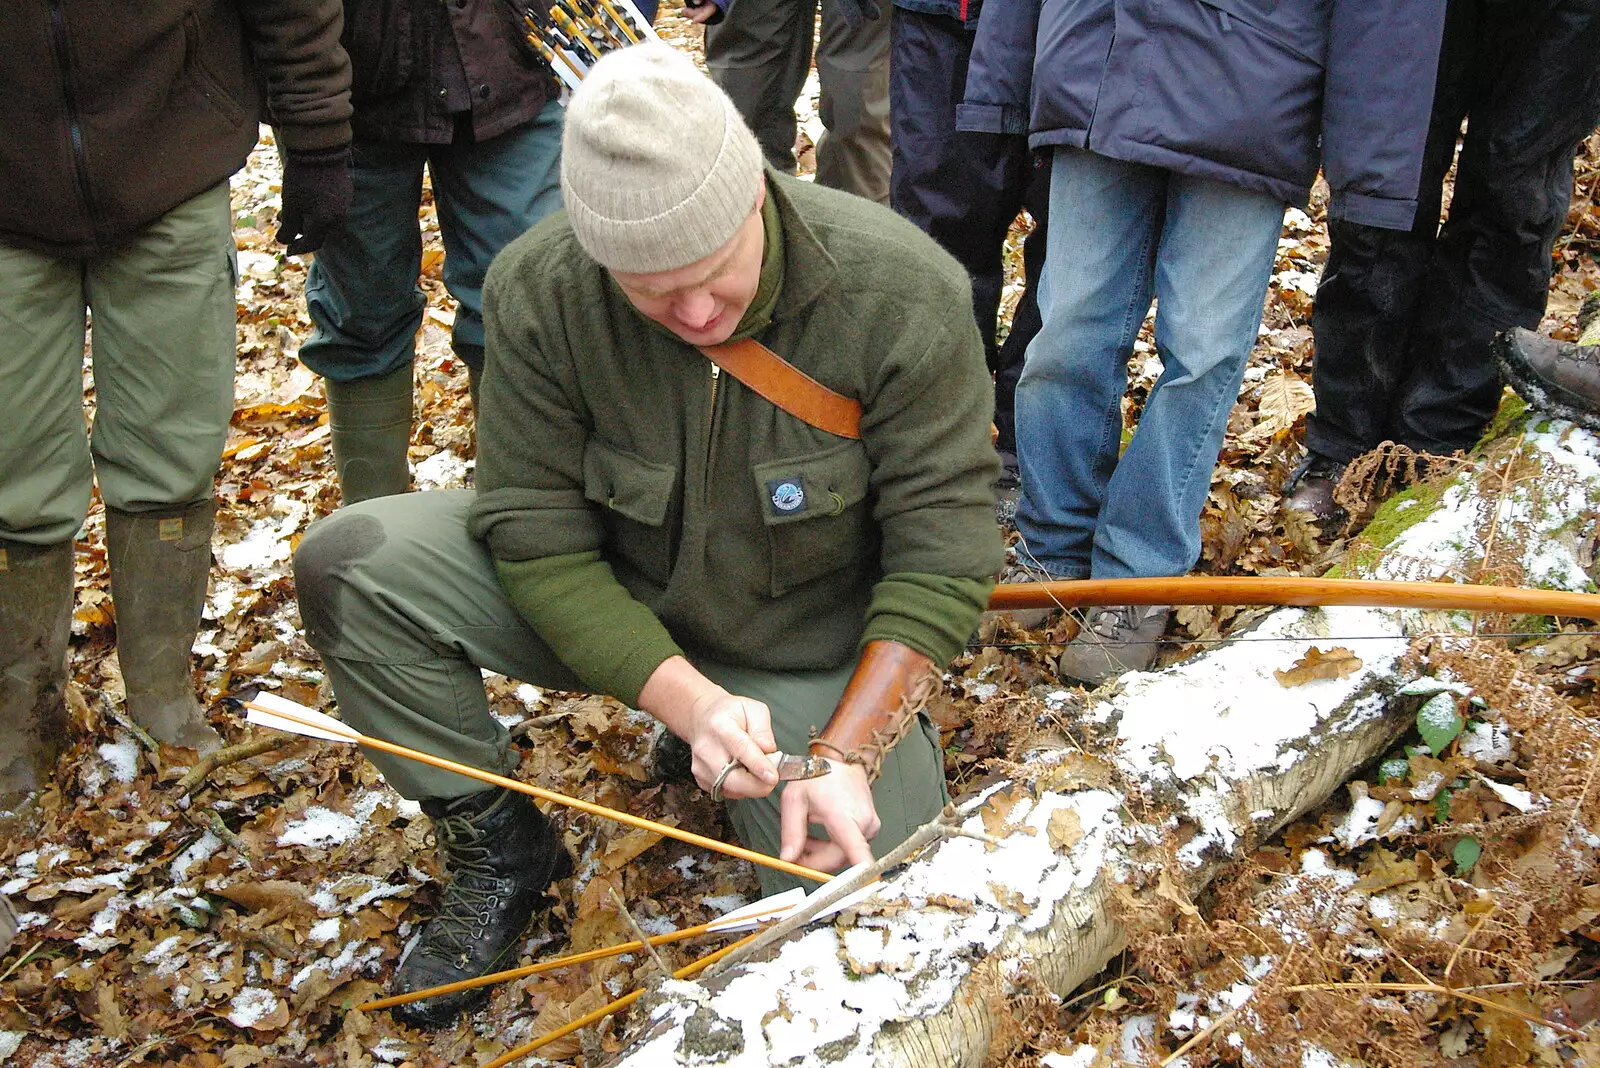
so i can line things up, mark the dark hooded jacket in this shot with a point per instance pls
(421, 64)
(1255, 93)
(119, 112)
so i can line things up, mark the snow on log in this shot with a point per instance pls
(1207, 759)
(1219, 745)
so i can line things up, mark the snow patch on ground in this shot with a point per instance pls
(443, 470)
(267, 541)
(324, 828)
(251, 1005)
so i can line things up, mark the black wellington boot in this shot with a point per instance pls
(500, 854)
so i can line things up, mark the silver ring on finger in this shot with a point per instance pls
(722, 777)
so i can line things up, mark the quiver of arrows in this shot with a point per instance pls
(572, 35)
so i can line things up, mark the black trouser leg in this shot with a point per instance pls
(1373, 280)
(963, 189)
(1540, 97)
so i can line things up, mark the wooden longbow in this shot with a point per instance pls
(1296, 591)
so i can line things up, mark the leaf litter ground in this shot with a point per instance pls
(237, 920)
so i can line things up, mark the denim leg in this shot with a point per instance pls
(488, 194)
(361, 292)
(1094, 292)
(1213, 263)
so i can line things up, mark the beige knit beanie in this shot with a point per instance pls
(657, 168)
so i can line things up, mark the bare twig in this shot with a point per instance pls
(1455, 954)
(639, 933)
(211, 820)
(1202, 1036)
(20, 961)
(232, 754)
(149, 744)
(1435, 988)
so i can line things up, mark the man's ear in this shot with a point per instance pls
(761, 194)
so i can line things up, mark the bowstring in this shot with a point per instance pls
(1309, 638)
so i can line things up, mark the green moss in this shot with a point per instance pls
(1512, 408)
(1394, 518)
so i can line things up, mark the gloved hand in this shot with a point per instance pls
(317, 190)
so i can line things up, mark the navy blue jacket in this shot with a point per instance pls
(1255, 93)
(964, 10)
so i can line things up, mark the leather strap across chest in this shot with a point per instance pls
(785, 385)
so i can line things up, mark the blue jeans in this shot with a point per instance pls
(1121, 233)
(362, 291)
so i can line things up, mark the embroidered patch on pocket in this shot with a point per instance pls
(787, 495)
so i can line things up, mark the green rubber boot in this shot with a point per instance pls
(35, 621)
(159, 565)
(370, 423)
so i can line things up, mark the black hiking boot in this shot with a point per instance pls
(1310, 489)
(500, 854)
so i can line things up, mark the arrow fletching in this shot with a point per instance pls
(753, 915)
(270, 710)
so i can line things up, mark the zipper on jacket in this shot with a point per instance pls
(711, 434)
(80, 160)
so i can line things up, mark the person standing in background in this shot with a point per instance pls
(1180, 130)
(455, 87)
(760, 51)
(1404, 319)
(114, 166)
(964, 189)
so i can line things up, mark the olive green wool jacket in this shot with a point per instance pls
(637, 504)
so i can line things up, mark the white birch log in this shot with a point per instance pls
(1211, 757)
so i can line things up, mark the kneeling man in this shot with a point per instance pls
(647, 526)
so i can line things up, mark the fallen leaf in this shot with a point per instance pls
(1334, 664)
(997, 810)
(1382, 869)
(1064, 829)
(623, 848)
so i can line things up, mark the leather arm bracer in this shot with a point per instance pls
(891, 684)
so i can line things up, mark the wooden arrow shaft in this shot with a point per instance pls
(560, 962)
(1292, 590)
(592, 809)
(690, 969)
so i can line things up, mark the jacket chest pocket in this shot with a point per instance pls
(817, 514)
(634, 496)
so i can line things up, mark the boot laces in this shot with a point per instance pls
(471, 895)
(1114, 624)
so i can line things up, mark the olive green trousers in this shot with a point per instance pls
(405, 608)
(162, 354)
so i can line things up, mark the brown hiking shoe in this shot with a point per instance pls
(1114, 639)
(1559, 377)
(1029, 618)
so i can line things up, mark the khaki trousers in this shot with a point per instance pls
(405, 608)
(761, 54)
